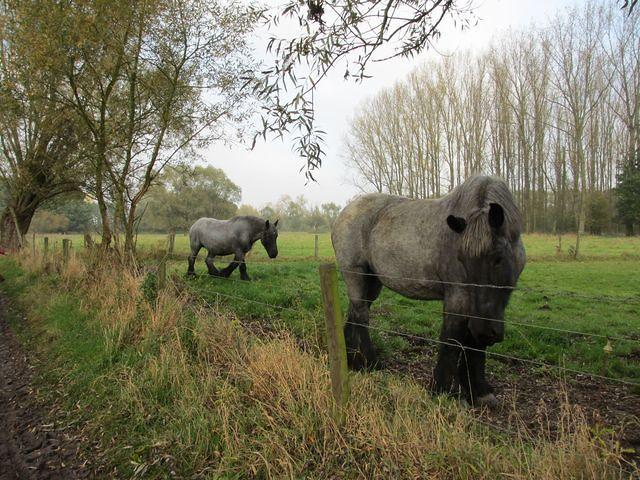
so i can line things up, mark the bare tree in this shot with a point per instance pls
(344, 35)
(553, 110)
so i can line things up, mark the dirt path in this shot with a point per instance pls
(31, 447)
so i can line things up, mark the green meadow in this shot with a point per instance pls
(563, 313)
(596, 294)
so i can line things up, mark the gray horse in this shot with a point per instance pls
(236, 237)
(429, 250)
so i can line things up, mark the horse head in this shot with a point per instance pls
(491, 271)
(269, 238)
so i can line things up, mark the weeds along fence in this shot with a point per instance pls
(334, 318)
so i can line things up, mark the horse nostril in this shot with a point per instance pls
(497, 335)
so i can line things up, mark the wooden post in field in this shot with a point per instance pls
(162, 273)
(66, 244)
(88, 241)
(335, 339)
(171, 240)
(315, 246)
(46, 247)
(33, 244)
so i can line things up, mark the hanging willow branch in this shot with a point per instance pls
(338, 34)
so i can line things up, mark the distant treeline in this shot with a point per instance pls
(297, 214)
(181, 196)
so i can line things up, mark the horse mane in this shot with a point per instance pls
(472, 199)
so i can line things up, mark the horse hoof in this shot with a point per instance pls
(487, 400)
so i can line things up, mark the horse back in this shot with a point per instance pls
(215, 235)
(351, 230)
(397, 238)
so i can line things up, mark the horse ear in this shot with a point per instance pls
(266, 225)
(456, 224)
(276, 223)
(496, 216)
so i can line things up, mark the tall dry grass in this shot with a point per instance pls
(209, 398)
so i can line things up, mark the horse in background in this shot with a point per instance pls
(464, 249)
(236, 237)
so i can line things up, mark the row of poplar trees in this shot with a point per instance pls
(554, 110)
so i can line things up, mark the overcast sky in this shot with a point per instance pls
(271, 169)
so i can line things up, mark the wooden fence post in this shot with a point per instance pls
(335, 339)
(46, 247)
(171, 240)
(162, 273)
(33, 244)
(315, 246)
(66, 243)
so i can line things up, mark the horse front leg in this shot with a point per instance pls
(211, 268)
(471, 370)
(243, 270)
(452, 335)
(238, 260)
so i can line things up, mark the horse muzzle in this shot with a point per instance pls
(492, 337)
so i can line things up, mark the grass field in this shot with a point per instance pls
(301, 244)
(596, 294)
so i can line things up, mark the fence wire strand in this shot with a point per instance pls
(561, 293)
(567, 293)
(509, 322)
(439, 342)
(513, 322)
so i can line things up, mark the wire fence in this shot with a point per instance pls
(627, 466)
(532, 325)
(620, 338)
(545, 293)
(451, 344)
(466, 315)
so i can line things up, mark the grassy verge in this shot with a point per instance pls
(161, 387)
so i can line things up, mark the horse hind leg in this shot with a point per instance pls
(195, 249)
(211, 268)
(238, 260)
(363, 290)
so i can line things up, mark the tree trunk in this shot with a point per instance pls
(129, 234)
(100, 197)
(628, 229)
(10, 236)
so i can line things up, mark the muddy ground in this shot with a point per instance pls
(32, 445)
(530, 401)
